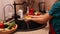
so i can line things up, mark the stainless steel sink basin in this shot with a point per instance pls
(30, 26)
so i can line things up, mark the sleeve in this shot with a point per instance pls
(55, 10)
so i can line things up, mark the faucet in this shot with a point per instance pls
(4, 11)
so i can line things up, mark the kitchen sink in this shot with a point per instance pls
(29, 26)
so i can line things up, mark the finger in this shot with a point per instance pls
(25, 20)
(37, 16)
(28, 19)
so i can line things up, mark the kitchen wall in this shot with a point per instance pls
(49, 4)
(35, 4)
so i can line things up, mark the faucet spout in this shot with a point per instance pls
(4, 11)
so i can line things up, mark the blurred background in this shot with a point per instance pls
(36, 4)
(48, 4)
